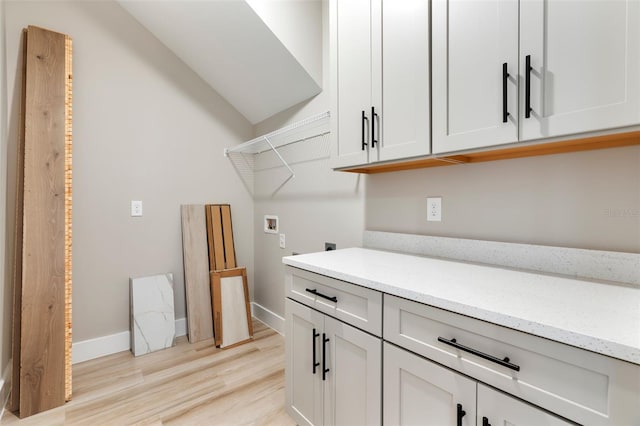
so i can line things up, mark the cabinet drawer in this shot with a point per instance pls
(577, 384)
(355, 305)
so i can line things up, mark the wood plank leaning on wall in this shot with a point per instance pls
(196, 272)
(43, 256)
(222, 252)
(230, 305)
(68, 216)
(14, 403)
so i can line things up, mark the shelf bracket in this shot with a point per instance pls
(266, 138)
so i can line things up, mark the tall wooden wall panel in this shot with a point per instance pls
(45, 269)
(68, 216)
(14, 403)
(222, 254)
(196, 272)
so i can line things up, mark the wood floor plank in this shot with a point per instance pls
(196, 272)
(42, 341)
(235, 407)
(54, 417)
(106, 386)
(187, 384)
(87, 368)
(135, 404)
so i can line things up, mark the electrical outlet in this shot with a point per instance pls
(434, 209)
(136, 208)
(282, 241)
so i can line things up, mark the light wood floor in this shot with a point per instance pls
(189, 384)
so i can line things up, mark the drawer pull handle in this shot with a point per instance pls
(527, 86)
(504, 362)
(460, 414)
(505, 80)
(364, 118)
(325, 370)
(315, 292)
(373, 127)
(315, 363)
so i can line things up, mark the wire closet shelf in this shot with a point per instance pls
(300, 131)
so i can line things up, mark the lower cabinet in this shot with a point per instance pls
(420, 392)
(496, 408)
(332, 370)
(572, 383)
(437, 367)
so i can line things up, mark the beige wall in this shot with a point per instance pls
(5, 285)
(586, 200)
(145, 128)
(318, 205)
(298, 25)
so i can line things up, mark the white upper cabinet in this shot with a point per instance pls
(380, 80)
(585, 66)
(351, 82)
(472, 42)
(583, 74)
(404, 82)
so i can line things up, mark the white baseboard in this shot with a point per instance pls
(268, 317)
(5, 387)
(100, 346)
(111, 344)
(181, 327)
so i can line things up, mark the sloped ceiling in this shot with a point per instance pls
(231, 48)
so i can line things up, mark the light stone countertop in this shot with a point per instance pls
(597, 316)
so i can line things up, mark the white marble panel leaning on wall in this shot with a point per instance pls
(152, 313)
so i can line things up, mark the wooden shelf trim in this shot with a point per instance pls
(574, 145)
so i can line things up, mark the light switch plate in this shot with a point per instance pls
(136, 208)
(282, 241)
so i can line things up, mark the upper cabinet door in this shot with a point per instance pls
(402, 95)
(351, 80)
(585, 66)
(472, 40)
